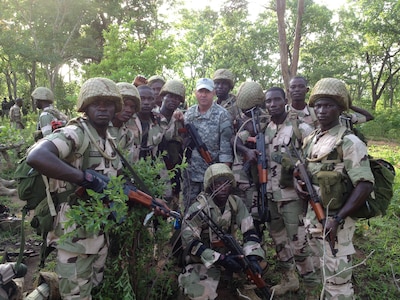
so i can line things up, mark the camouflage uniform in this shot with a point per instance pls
(80, 261)
(319, 144)
(306, 115)
(16, 117)
(286, 227)
(200, 277)
(154, 136)
(215, 130)
(48, 115)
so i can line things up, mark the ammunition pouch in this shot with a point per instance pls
(333, 188)
(287, 167)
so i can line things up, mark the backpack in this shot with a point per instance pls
(384, 173)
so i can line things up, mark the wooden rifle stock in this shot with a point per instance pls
(200, 145)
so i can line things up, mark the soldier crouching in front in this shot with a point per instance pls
(215, 214)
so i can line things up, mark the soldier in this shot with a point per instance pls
(148, 127)
(329, 97)
(16, 115)
(120, 130)
(156, 82)
(205, 257)
(173, 94)
(80, 262)
(50, 118)
(224, 81)
(214, 126)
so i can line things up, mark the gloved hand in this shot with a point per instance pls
(230, 262)
(94, 181)
(254, 264)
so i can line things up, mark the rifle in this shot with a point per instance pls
(313, 197)
(262, 167)
(233, 246)
(198, 142)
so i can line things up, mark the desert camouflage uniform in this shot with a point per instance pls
(16, 117)
(286, 227)
(48, 115)
(80, 260)
(306, 115)
(154, 136)
(231, 106)
(200, 277)
(356, 164)
(215, 130)
(124, 139)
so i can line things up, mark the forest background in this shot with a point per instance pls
(59, 44)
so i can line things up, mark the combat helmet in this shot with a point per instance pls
(175, 87)
(43, 93)
(216, 171)
(99, 87)
(224, 74)
(250, 94)
(155, 78)
(330, 88)
(129, 91)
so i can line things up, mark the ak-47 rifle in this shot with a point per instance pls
(235, 249)
(198, 142)
(262, 167)
(313, 197)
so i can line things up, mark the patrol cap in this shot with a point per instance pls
(330, 88)
(129, 91)
(250, 94)
(98, 87)
(43, 93)
(174, 87)
(216, 171)
(205, 83)
(224, 74)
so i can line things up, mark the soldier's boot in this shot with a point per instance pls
(289, 283)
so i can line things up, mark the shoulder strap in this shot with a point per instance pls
(313, 116)
(293, 117)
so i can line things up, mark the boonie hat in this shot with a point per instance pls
(205, 83)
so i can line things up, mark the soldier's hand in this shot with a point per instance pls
(94, 181)
(161, 209)
(254, 264)
(139, 80)
(230, 262)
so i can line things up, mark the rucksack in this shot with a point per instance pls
(384, 173)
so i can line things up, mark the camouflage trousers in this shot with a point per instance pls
(199, 283)
(336, 271)
(288, 233)
(79, 273)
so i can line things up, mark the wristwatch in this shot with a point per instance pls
(338, 219)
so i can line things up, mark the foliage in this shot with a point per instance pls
(384, 126)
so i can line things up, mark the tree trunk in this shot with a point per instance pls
(283, 48)
(297, 39)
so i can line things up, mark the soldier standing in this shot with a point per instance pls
(16, 114)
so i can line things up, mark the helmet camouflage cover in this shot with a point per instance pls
(330, 88)
(175, 87)
(250, 94)
(43, 93)
(224, 74)
(216, 171)
(129, 91)
(98, 87)
(155, 78)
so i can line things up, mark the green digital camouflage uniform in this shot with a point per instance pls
(200, 277)
(287, 227)
(356, 164)
(215, 130)
(80, 260)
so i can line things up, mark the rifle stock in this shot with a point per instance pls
(200, 145)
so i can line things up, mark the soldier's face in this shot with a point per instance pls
(101, 112)
(328, 112)
(222, 88)
(221, 188)
(275, 103)
(171, 101)
(156, 86)
(127, 111)
(147, 100)
(205, 97)
(298, 89)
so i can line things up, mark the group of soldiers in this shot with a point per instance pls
(241, 173)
